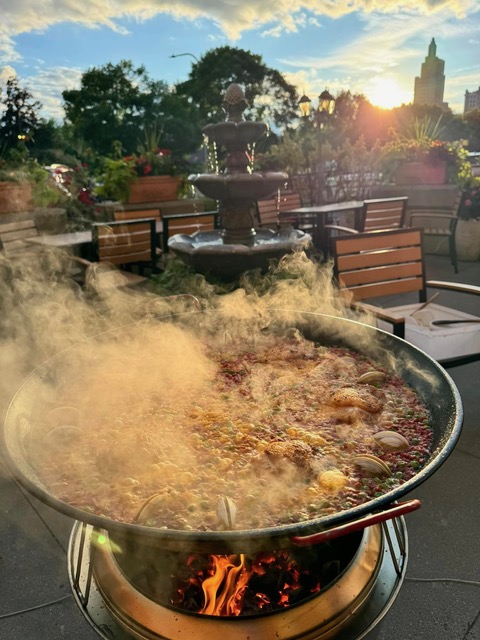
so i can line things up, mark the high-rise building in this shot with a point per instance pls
(430, 85)
(472, 100)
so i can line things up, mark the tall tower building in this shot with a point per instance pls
(430, 85)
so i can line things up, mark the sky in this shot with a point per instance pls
(371, 47)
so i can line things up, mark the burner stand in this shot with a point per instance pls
(392, 564)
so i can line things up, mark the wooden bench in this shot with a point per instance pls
(14, 236)
(135, 214)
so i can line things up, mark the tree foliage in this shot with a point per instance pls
(120, 110)
(113, 103)
(472, 123)
(270, 97)
(20, 120)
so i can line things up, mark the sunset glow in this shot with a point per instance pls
(386, 93)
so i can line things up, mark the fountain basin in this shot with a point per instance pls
(238, 186)
(228, 132)
(206, 253)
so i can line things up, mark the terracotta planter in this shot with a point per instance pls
(411, 173)
(15, 197)
(467, 239)
(154, 189)
(51, 220)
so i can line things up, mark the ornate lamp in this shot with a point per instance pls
(326, 107)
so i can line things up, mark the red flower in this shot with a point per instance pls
(147, 169)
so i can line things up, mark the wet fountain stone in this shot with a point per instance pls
(237, 245)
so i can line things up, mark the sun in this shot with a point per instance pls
(387, 93)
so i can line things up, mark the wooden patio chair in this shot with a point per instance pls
(440, 223)
(287, 201)
(268, 210)
(267, 213)
(187, 223)
(377, 214)
(389, 263)
(120, 250)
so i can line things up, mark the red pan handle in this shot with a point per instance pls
(398, 509)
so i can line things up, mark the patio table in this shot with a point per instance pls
(63, 240)
(320, 215)
(81, 241)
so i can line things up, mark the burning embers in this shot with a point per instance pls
(234, 585)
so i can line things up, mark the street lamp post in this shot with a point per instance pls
(177, 55)
(319, 117)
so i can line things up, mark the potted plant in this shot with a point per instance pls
(156, 178)
(153, 174)
(421, 157)
(15, 187)
(116, 179)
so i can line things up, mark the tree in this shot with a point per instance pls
(356, 118)
(472, 122)
(114, 103)
(270, 97)
(20, 120)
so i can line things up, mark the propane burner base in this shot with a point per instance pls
(349, 608)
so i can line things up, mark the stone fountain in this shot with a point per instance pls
(237, 245)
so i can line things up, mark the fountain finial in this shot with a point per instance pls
(234, 103)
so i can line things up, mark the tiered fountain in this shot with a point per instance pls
(237, 245)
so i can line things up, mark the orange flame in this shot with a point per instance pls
(224, 589)
(226, 582)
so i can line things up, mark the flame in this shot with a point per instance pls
(226, 582)
(224, 589)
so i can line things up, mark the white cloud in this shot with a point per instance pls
(382, 48)
(49, 84)
(7, 72)
(233, 18)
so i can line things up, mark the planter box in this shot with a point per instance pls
(421, 173)
(154, 189)
(467, 240)
(15, 197)
(50, 220)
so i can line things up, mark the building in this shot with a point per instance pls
(472, 100)
(429, 87)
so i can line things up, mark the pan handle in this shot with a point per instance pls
(398, 509)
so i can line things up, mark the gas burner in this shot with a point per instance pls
(117, 599)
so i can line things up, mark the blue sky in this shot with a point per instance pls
(374, 47)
